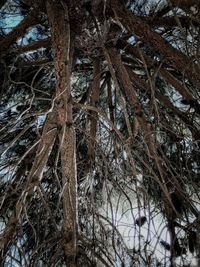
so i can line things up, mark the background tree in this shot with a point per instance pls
(99, 132)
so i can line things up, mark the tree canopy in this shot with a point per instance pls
(99, 135)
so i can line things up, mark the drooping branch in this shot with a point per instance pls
(110, 99)
(33, 180)
(145, 87)
(144, 33)
(113, 57)
(32, 19)
(162, 71)
(95, 91)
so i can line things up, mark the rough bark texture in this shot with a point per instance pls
(164, 73)
(143, 32)
(33, 179)
(35, 45)
(145, 127)
(63, 45)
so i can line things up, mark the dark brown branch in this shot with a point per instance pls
(140, 84)
(95, 92)
(185, 22)
(31, 20)
(160, 46)
(166, 74)
(34, 46)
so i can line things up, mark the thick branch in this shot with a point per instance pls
(185, 22)
(63, 43)
(143, 32)
(34, 46)
(163, 72)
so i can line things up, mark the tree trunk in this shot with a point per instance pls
(62, 39)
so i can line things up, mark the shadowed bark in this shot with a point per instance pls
(32, 19)
(144, 33)
(95, 91)
(62, 38)
(33, 180)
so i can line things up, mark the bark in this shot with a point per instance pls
(122, 74)
(35, 45)
(115, 60)
(128, 88)
(176, 84)
(185, 22)
(33, 179)
(59, 121)
(94, 115)
(39, 62)
(110, 100)
(163, 72)
(145, 87)
(160, 46)
(32, 19)
(63, 42)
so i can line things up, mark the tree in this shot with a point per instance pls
(99, 121)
